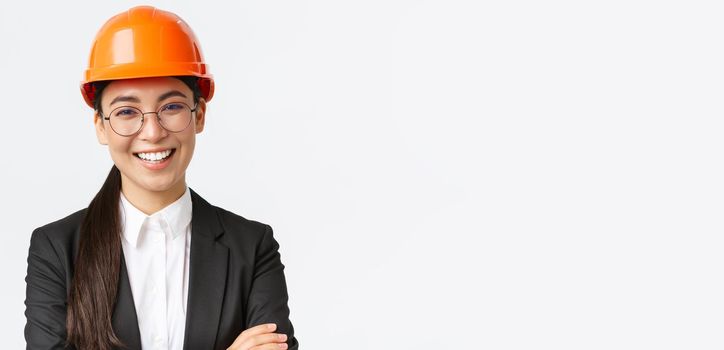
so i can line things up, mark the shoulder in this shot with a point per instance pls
(248, 239)
(239, 227)
(69, 222)
(58, 239)
(63, 229)
(232, 224)
(244, 236)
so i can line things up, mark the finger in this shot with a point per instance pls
(260, 329)
(264, 339)
(276, 346)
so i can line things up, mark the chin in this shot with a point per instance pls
(159, 186)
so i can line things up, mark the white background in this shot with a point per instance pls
(439, 174)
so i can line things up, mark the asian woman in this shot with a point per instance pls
(150, 264)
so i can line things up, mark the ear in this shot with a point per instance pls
(100, 129)
(200, 115)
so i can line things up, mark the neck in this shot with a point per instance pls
(150, 202)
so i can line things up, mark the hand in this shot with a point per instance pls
(260, 338)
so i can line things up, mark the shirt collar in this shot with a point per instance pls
(176, 217)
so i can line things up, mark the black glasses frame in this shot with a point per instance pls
(143, 117)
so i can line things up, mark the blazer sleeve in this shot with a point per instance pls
(268, 297)
(45, 296)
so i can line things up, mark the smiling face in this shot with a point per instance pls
(150, 179)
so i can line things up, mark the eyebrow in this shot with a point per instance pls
(131, 98)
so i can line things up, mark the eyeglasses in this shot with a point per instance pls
(128, 120)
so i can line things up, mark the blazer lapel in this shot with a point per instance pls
(125, 322)
(207, 276)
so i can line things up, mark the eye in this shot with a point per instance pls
(125, 112)
(173, 107)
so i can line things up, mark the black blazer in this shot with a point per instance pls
(236, 281)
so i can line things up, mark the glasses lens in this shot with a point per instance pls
(175, 116)
(126, 120)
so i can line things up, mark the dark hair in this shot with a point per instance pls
(94, 286)
(190, 81)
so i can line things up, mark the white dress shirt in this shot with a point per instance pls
(156, 249)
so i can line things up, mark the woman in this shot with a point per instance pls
(149, 263)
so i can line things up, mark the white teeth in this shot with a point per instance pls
(155, 155)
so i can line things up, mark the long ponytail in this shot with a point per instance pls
(97, 268)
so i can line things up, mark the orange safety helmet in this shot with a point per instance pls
(145, 42)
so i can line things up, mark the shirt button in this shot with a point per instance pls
(158, 237)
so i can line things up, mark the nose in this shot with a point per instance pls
(151, 130)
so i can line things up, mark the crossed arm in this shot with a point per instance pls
(46, 296)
